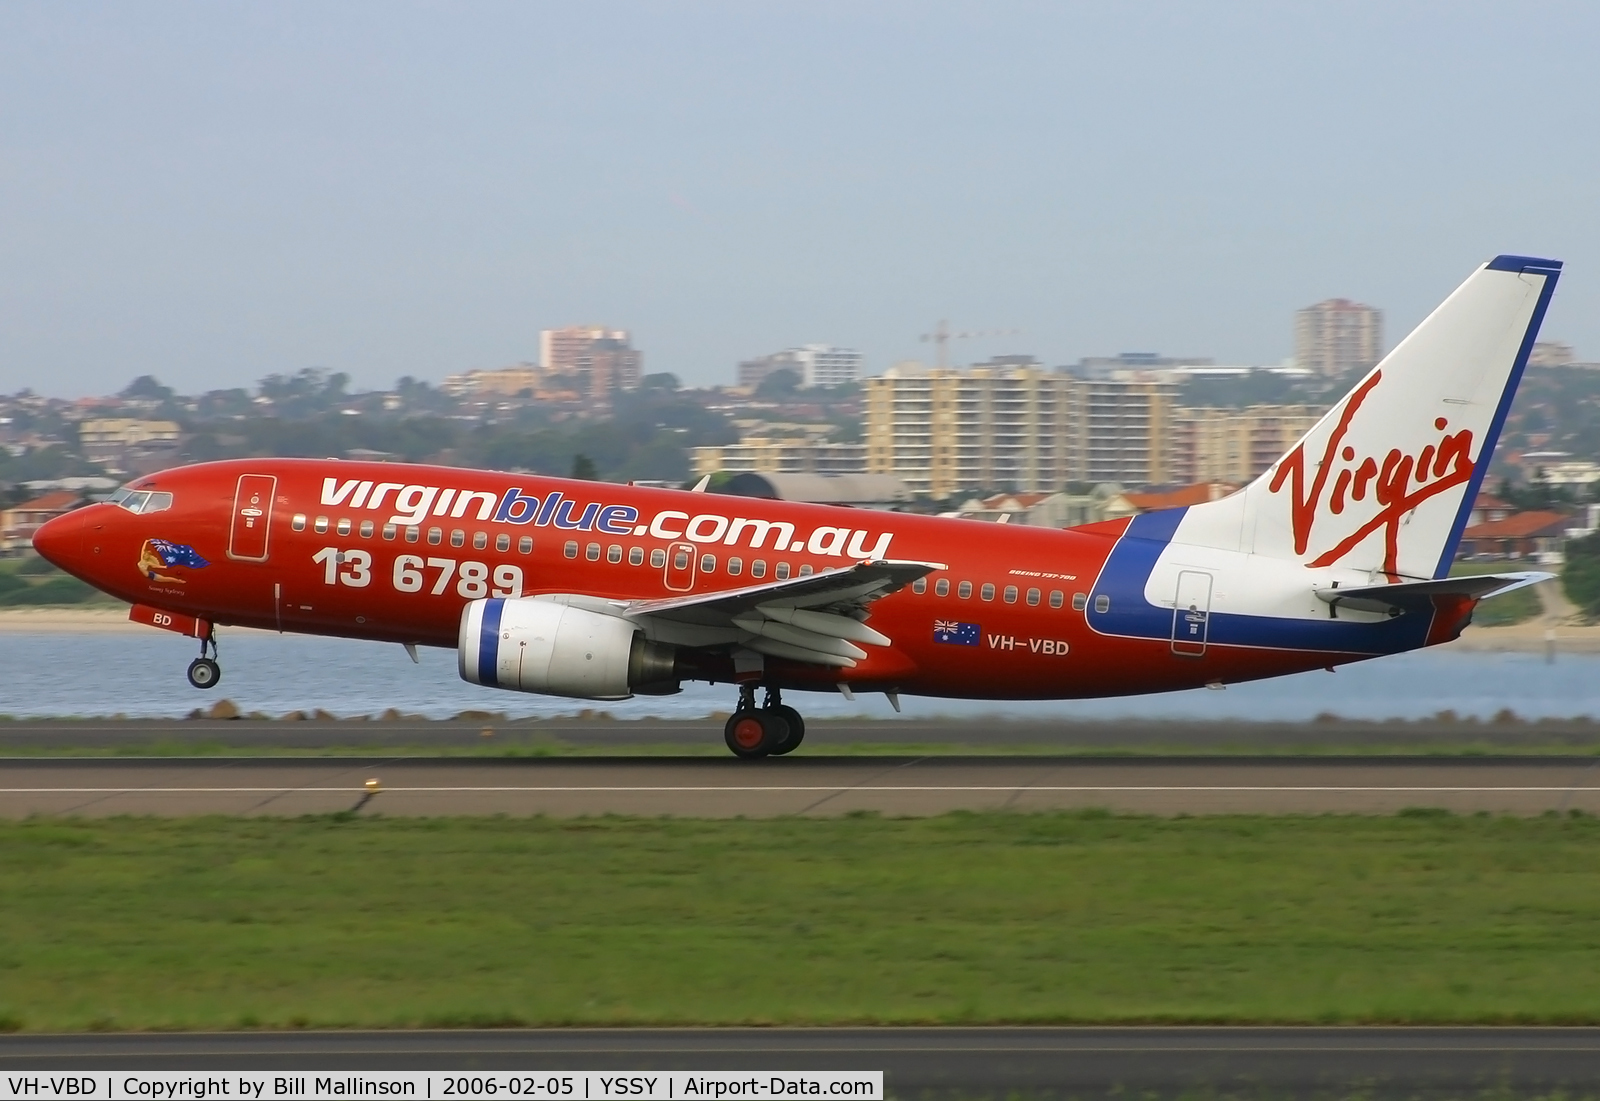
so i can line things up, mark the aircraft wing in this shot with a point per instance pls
(818, 618)
(1404, 596)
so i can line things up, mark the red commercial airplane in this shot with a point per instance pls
(1338, 553)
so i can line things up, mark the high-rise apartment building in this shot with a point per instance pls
(603, 360)
(1338, 336)
(1013, 427)
(814, 364)
(776, 455)
(1233, 445)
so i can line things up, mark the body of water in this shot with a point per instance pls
(89, 674)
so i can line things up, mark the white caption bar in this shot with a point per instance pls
(576, 1086)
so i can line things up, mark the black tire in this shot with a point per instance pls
(751, 734)
(204, 673)
(797, 730)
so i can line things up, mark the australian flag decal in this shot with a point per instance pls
(957, 634)
(178, 554)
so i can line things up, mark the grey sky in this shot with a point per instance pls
(212, 192)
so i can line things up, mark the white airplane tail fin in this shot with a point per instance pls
(1385, 482)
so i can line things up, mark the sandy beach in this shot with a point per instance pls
(1559, 626)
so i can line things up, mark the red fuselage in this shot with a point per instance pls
(393, 552)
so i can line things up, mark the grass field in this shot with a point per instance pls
(31, 582)
(227, 923)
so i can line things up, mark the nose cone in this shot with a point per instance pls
(60, 541)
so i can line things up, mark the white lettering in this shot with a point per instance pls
(828, 541)
(658, 526)
(331, 497)
(411, 504)
(880, 550)
(486, 504)
(695, 535)
(760, 529)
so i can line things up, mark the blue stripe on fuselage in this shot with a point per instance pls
(489, 644)
(1133, 559)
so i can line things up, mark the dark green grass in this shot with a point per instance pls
(340, 921)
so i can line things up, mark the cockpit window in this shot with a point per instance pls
(140, 501)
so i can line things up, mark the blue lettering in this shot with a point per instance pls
(617, 519)
(517, 508)
(584, 523)
(549, 509)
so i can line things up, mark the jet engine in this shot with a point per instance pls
(541, 645)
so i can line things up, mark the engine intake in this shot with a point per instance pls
(539, 645)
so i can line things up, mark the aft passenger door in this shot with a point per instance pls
(1191, 613)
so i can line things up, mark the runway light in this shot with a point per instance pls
(373, 787)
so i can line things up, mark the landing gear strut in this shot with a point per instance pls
(768, 731)
(204, 672)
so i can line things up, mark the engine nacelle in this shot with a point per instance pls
(534, 645)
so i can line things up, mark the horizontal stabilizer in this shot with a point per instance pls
(1407, 596)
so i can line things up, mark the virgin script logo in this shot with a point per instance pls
(1436, 468)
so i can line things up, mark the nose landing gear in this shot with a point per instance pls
(204, 672)
(768, 731)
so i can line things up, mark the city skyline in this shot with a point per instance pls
(211, 195)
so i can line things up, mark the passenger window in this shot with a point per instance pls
(758, 568)
(299, 522)
(635, 556)
(708, 563)
(783, 571)
(736, 566)
(1102, 603)
(1055, 598)
(592, 552)
(525, 545)
(1080, 601)
(480, 540)
(658, 558)
(390, 531)
(366, 529)
(458, 538)
(321, 526)
(680, 561)
(502, 542)
(343, 527)
(964, 590)
(571, 549)
(1011, 594)
(941, 587)
(805, 571)
(987, 592)
(413, 533)
(613, 554)
(1033, 596)
(435, 536)
(919, 586)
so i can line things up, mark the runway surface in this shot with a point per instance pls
(489, 732)
(920, 1062)
(814, 785)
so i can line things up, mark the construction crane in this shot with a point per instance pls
(942, 336)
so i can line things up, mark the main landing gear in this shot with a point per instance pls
(771, 730)
(204, 672)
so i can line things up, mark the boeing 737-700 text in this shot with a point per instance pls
(1340, 552)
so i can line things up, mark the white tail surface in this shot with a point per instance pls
(1385, 481)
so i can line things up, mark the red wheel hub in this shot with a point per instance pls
(749, 733)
